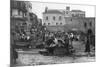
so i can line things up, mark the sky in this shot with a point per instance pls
(39, 7)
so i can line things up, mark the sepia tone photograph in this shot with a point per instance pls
(45, 33)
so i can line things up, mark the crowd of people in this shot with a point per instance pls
(50, 40)
(58, 39)
(64, 39)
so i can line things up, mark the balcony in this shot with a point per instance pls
(19, 17)
(18, 5)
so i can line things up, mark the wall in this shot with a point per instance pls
(78, 23)
(51, 21)
(17, 14)
(14, 12)
(68, 13)
(74, 23)
(78, 14)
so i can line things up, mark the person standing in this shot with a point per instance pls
(67, 43)
(87, 46)
(88, 41)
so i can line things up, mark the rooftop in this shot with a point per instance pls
(76, 11)
(53, 12)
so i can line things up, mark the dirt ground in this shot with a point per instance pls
(32, 57)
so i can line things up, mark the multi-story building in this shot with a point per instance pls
(78, 13)
(57, 17)
(67, 12)
(67, 19)
(53, 17)
(18, 9)
(82, 24)
(20, 15)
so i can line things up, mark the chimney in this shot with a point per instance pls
(68, 8)
(46, 9)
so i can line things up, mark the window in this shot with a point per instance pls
(25, 14)
(47, 18)
(18, 12)
(85, 24)
(71, 20)
(21, 13)
(72, 15)
(90, 24)
(60, 23)
(60, 17)
(81, 15)
(48, 23)
(56, 23)
(24, 23)
(53, 17)
(66, 12)
(44, 24)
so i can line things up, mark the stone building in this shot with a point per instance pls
(78, 13)
(53, 17)
(19, 15)
(81, 24)
(65, 20)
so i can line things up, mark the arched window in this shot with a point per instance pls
(60, 18)
(48, 23)
(46, 17)
(89, 31)
(24, 24)
(71, 20)
(66, 12)
(61, 23)
(72, 15)
(56, 23)
(85, 24)
(54, 18)
(90, 24)
(18, 12)
(44, 24)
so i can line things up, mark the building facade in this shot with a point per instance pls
(19, 15)
(53, 17)
(82, 24)
(67, 19)
(57, 17)
(78, 13)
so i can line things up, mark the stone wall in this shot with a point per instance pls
(53, 22)
(78, 23)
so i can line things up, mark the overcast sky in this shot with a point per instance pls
(39, 7)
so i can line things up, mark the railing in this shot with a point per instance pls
(19, 17)
(18, 5)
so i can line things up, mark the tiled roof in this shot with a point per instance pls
(53, 12)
